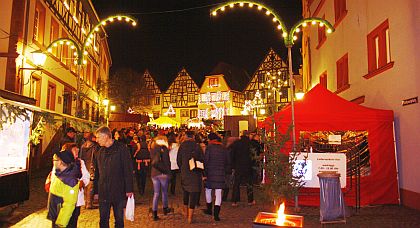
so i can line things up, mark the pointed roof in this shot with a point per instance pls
(271, 63)
(236, 78)
(177, 86)
(151, 85)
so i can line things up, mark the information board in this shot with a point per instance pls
(320, 162)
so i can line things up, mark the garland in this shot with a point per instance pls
(9, 113)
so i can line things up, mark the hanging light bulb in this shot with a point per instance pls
(294, 37)
(222, 9)
(231, 5)
(73, 47)
(298, 30)
(267, 13)
(304, 24)
(329, 30)
(250, 5)
(111, 19)
(241, 4)
(313, 22)
(61, 42)
(127, 19)
(274, 19)
(55, 44)
(103, 22)
(97, 29)
(134, 23)
(214, 13)
(259, 7)
(284, 34)
(119, 18)
(49, 49)
(279, 27)
(321, 24)
(68, 43)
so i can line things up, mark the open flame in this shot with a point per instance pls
(281, 217)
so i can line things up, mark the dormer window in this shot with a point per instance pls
(213, 82)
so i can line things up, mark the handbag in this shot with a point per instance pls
(129, 209)
(194, 164)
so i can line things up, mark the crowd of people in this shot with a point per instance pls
(102, 166)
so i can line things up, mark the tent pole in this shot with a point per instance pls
(396, 163)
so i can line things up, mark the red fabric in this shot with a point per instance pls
(322, 110)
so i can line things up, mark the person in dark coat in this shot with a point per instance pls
(191, 180)
(142, 157)
(161, 173)
(69, 137)
(242, 162)
(113, 177)
(87, 150)
(216, 160)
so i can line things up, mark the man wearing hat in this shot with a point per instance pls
(64, 188)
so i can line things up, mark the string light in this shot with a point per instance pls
(313, 22)
(251, 5)
(222, 9)
(241, 4)
(259, 7)
(231, 5)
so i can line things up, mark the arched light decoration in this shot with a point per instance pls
(304, 23)
(289, 36)
(80, 51)
(250, 4)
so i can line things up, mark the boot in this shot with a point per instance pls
(185, 211)
(216, 213)
(166, 210)
(190, 215)
(155, 216)
(208, 211)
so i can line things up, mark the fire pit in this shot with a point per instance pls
(279, 219)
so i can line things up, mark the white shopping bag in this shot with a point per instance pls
(129, 209)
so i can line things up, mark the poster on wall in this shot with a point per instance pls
(320, 162)
(14, 144)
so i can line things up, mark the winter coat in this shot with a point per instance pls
(63, 194)
(191, 180)
(241, 156)
(143, 155)
(113, 173)
(216, 161)
(160, 152)
(86, 154)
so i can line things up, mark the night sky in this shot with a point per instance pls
(172, 34)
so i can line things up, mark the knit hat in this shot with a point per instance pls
(213, 136)
(66, 156)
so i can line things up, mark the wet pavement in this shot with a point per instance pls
(32, 213)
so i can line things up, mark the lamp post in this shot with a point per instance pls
(105, 102)
(288, 36)
(80, 50)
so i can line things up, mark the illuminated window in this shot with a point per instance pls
(185, 113)
(213, 82)
(193, 113)
(157, 100)
(191, 97)
(379, 55)
(39, 23)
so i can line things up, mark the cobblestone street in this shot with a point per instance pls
(33, 214)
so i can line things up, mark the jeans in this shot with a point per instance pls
(105, 209)
(241, 178)
(160, 182)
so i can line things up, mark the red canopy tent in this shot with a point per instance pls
(322, 110)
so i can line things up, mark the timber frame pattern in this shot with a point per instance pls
(152, 91)
(272, 64)
(182, 93)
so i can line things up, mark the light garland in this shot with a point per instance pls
(170, 111)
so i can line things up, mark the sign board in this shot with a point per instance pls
(334, 139)
(321, 162)
(409, 101)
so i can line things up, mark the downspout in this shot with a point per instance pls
(396, 163)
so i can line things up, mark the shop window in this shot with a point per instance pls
(185, 113)
(342, 73)
(379, 55)
(193, 113)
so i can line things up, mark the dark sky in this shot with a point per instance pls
(172, 34)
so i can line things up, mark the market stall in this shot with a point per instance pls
(164, 122)
(322, 113)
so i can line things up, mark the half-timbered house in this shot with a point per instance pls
(180, 99)
(150, 100)
(271, 70)
(220, 93)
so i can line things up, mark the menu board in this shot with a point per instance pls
(14, 144)
(320, 162)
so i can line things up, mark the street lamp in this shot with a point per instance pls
(38, 58)
(289, 38)
(80, 49)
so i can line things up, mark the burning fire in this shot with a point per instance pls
(281, 217)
